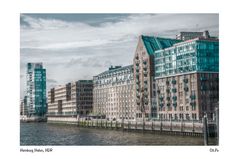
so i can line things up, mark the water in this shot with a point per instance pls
(53, 134)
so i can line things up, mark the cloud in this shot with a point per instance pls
(75, 49)
(57, 34)
(51, 80)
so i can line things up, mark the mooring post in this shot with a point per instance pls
(205, 130)
(217, 124)
(181, 125)
(171, 126)
(193, 126)
(152, 126)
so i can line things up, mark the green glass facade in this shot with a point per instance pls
(40, 91)
(36, 90)
(157, 43)
(189, 56)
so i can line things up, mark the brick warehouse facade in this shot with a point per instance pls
(187, 79)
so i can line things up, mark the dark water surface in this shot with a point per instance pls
(54, 134)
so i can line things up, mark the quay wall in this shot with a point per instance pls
(191, 128)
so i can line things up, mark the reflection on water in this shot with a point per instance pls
(51, 134)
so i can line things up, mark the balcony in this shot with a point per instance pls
(167, 82)
(193, 104)
(185, 80)
(137, 95)
(174, 81)
(137, 87)
(203, 87)
(193, 97)
(203, 78)
(168, 90)
(158, 91)
(185, 89)
(137, 82)
(146, 93)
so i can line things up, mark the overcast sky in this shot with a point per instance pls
(78, 46)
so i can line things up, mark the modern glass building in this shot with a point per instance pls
(36, 89)
(187, 79)
(197, 55)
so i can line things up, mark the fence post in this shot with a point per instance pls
(205, 130)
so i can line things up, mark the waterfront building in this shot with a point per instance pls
(113, 93)
(72, 99)
(187, 79)
(145, 90)
(36, 89)
(192, 35)
(23, 106)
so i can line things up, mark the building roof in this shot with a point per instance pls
(115, 69)
(152, 43)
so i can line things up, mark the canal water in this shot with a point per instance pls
(43, 134)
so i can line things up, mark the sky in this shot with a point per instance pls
(78, 46)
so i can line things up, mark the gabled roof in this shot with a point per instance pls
(152, 43)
